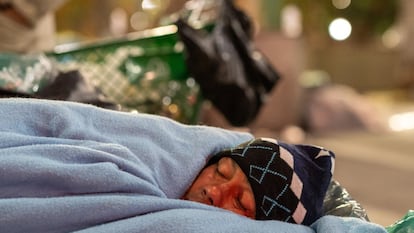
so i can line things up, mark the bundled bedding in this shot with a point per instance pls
(70, 167)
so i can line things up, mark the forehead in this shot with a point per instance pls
(227, 164)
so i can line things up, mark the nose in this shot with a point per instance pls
(218, 193)
(214, 194)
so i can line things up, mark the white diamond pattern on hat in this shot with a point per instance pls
(296, 186)
(325, 152)
(265, 171)
(286, 156)
(247, 148)
(274, 203)
(299, 213)
(322, 152)
(282, 192)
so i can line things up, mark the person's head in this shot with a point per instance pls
(223, 184)
(266, 180)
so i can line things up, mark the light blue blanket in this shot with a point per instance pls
(70, 167)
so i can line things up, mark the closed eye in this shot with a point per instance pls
(239, 205)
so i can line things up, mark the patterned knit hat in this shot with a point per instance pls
(289, 182)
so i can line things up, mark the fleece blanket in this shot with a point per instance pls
(68, 167)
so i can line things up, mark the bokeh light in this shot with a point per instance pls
(140, 20)
(341, 4)
(118, 22)
(150, 4)
(402, 121)
(291, 21)
(391, 38)
(340, 29)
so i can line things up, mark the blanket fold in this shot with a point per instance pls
(73, 167)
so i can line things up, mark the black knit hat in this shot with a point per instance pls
(289, 182)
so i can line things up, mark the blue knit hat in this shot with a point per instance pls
(289, 182)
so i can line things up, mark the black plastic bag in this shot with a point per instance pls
(72, 86)
(68, 86)
(339, 202)
(231, 72)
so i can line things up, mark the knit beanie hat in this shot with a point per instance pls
(289, 182)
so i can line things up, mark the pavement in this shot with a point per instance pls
(377, 169)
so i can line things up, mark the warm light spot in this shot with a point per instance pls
(150, 4)
(340, 29)
(341, 4)
(166, 100)
(391, 38)
(291, 21)
(150, 75)
(190, 82)
(173, 109)
(402, 121)
(140, 20)
(118, 21)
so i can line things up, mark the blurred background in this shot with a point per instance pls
(365, 44)
(347, 80)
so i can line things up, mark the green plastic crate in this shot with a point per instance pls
(145, 71)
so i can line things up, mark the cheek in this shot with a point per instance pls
(249, 202)
(248, 214)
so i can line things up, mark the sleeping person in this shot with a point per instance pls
(69, 167)
(267, 180)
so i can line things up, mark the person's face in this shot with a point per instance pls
(223, 185)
